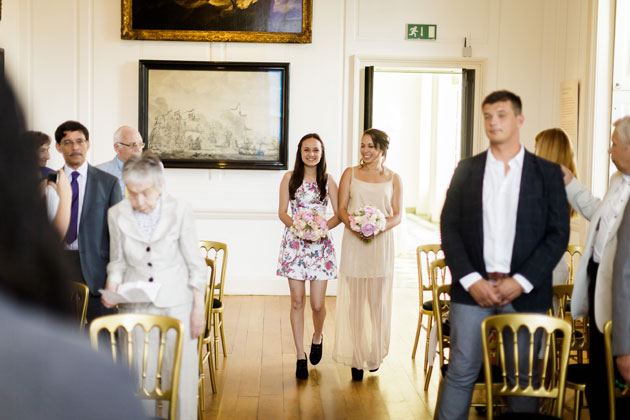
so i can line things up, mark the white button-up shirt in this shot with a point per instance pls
(500, 205)
(82, 181)
(612, 209)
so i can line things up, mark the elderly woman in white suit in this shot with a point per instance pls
(153, 239)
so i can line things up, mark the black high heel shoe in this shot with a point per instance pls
(301, 368)
(357, 374)
(316, 352)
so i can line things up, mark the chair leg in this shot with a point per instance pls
(426, 346)
(427, 378)
(437, 401)
(222, 335)
(213, 380)
(415, 344)
(577, 405)
(201, 397)
(216, 340)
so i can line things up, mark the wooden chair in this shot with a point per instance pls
(577, 374)
(437, 272)
(441, 301)
(575, 253)
(217, 251)
(614, 390)
(425, 255)
(551, 386)
(80, 297)
(205, 340)
(128, 323)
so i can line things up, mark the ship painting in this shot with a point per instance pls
(181, 134)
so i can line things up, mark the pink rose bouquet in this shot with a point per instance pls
(368, 221)
(309, 226)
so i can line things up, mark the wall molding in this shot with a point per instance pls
(235, 214)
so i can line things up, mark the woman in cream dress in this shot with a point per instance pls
(364, 295)
(153, 239)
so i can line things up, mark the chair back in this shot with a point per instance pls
(127, 323)
(425, 255)
(550, 387)
(205, 339)
(80, 295)
(562, 294)
(614, 391)
(217, 252)
(575, 253)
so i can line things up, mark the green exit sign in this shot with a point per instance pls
(419, 31)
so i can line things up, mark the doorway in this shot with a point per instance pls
(428, 115)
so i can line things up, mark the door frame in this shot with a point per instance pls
(356, 84)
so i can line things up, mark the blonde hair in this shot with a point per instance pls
(554, 145)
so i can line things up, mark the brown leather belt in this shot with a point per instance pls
(498, 276)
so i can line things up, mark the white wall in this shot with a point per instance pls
(67, 61)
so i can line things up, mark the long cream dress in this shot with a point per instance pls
(364, 294)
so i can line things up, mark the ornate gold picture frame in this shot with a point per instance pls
(282, 21)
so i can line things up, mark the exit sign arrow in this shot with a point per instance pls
(421, 31)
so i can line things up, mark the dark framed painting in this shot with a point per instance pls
(287, 21)
(227, 115)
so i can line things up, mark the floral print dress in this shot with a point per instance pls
(303, 260)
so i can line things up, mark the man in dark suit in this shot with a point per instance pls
(93, 193)
(505, 226)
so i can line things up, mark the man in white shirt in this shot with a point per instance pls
(602, 283)
(505, 226)
(93, 193)
(127, 144)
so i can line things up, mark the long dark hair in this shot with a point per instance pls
(298, 170)
(33, 269)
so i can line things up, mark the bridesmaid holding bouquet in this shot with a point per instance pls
(370, 205)
(306, 251)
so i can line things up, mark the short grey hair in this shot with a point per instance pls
(146, 167)
(622, 125)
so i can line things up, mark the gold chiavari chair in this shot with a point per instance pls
(425, 255)
(577, 374)
(205, 340)
(551, 386)
(616, 387)
(217, 251)
(575, 253)
(127, 323)
(80, 297)
(437, 273)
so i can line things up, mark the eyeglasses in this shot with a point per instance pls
(70, 143)
(132, 145)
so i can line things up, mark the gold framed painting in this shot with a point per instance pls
(282, 21)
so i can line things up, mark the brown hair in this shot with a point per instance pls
(380, 140)
(298, 169)
(504, 96)
(554, 145)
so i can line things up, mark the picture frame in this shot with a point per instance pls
(227, 115)
(270, 21)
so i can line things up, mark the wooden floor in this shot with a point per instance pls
(257, 378)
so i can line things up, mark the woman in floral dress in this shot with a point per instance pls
(308, 186)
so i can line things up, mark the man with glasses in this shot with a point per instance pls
(93, 193)
(127, 144)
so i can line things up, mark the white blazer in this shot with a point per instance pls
(170, 258)
(590, 207)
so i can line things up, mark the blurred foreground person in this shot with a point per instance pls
(48, 372)
(154, 243)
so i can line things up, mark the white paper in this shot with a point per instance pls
(135, 292)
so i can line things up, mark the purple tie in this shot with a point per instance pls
(71, 234)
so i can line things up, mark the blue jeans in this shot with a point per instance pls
(466, 359)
